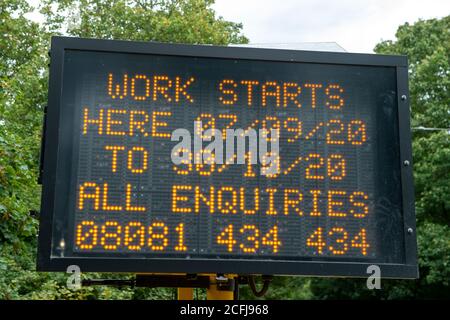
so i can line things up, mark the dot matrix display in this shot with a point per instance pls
(336, 194)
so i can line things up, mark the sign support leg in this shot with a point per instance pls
(185, 293)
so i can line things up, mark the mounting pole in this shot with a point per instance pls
(185, 293)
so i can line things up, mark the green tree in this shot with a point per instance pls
(22, 100)
(23, 95)
(179, 21)
(427, 45)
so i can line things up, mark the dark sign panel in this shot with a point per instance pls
(339, 197)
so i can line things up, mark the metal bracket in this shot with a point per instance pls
(172, 281)
(225, 284)
(154, 281)
(107, 282)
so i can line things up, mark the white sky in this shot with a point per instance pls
(356, 25)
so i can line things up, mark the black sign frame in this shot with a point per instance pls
(51, 177)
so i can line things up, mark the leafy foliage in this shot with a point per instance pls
(179, 21)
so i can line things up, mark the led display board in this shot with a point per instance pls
(339, 197)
